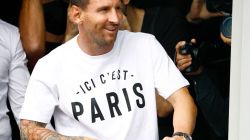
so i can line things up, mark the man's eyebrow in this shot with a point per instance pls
(103, 7)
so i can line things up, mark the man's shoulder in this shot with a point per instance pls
(8, 33)
(63, 49)
(9, 38)
(136, 42)
(129, 33)
(134, 37)
(7, 28)
(58, 54)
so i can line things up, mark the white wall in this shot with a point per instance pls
(239, 115)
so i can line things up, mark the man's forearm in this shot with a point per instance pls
(185, 111)
(164, 108)
(30, 130)
(32, 30)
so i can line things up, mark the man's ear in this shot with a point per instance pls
(75, 14)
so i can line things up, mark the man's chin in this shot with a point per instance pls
(112, 36)
(110, 41)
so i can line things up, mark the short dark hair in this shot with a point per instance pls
(79, 3)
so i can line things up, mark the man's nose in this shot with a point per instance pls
(115, 16)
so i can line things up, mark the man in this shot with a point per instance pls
(14, 77)
(208, 73)
(101, 84)
(210, 79)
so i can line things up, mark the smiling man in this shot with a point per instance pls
(101, 84)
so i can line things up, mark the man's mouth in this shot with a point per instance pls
(112, 28)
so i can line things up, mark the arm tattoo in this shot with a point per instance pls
(31, 130)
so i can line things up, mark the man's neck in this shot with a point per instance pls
(93, 49)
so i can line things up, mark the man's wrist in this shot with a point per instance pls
(184, 135)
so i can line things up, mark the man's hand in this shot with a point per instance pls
(184, 61)
(198, 11)
(225, 40)
(174, 138)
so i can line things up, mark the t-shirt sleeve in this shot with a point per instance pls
(167, 77)
(41, 95)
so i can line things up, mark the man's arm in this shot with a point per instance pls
(183, 61)
(18, 75)
(31, 130)
(185, 111)
(164, 108)
(32, 30)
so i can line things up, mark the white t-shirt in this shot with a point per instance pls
(14, 76)
(107, 97)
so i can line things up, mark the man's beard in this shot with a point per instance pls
(102, 41)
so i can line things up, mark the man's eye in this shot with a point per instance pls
(104, 9)
(118, 8)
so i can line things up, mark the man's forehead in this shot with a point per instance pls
(103, 2)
